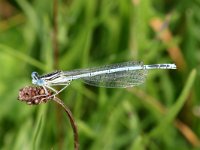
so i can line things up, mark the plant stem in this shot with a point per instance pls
(72, 121)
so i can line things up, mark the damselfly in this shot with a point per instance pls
(122, 75)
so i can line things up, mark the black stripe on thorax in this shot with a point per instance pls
(51, 76)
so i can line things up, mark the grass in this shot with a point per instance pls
(163, 113)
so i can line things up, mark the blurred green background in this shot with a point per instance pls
(162, 114)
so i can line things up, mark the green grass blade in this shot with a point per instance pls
(39, 127)
(16, 54)
(173, 112)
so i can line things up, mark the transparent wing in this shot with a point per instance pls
(133, 78)
(119, 79)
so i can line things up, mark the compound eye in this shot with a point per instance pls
(34, 75)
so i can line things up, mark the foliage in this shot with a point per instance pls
(162, 113)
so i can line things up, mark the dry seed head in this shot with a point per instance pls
(34, 95)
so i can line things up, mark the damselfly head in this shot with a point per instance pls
(34, 75)
(34, 95)
(36, 79)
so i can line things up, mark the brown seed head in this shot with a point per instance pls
(34, 95)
